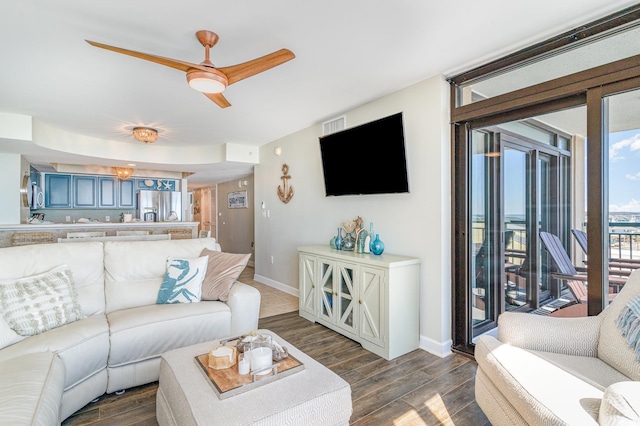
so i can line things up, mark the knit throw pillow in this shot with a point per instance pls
(629, 324)
(35, 304)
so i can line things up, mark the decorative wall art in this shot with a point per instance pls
(237, 200)
(285, 194)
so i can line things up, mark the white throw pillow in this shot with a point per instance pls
(35, 304)
(183, 280)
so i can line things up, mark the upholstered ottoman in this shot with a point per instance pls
(313, 396)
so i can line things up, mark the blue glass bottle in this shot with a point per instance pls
(339, 239)
(377, 246)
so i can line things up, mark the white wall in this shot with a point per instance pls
(415, 224)
(10, 201)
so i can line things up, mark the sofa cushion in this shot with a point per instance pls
(83, 347)
(35, 304)
(7, 335)
(182, 282)
(148, 331)
(223, 270)
(612, 346)
(134, 270)
(31, 389)
(85, 260)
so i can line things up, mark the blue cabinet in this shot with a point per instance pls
(84, 192)
(127, 194)
(57, 191)
(107, 191)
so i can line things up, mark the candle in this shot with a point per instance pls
(244, 363)
(261, 358)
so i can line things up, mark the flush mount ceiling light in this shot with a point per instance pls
(123, 173)
(145, 134)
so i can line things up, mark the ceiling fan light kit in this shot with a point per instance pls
(207, 82)
(145, 134)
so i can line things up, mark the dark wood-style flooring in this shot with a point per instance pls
(415, 389)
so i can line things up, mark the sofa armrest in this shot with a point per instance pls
(620, 404)
(570, 336)
(244, 302)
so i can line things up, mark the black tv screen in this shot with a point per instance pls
(367, 159)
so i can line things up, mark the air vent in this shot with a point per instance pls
(334, 125)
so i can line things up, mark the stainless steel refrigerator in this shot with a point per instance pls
(159, 206)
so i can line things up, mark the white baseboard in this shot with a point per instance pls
(439, 349)
(277, 285)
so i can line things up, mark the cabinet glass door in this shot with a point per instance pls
(326, 283)
(346, 296)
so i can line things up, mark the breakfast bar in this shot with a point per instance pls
(50, 232)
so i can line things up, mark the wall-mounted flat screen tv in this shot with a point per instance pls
(367, 159)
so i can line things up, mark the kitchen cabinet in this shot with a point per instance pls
(373, 300)
(126, 194)
(57, 191)
(84, 192)
(107, 192)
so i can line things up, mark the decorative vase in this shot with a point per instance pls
(348, 244)
(362, 236)
(332, 242)
(377, 246)
(338, 241)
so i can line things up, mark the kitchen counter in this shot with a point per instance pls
(60, 229)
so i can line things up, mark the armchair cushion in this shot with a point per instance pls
(536, 388)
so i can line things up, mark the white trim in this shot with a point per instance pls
(439, 349)
(277, 285)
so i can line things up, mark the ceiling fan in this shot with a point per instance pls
(205, 77)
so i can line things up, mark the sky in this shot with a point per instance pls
(624, 171)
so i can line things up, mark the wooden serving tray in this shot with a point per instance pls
(228, 382)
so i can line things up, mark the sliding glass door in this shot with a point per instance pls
(513, 198)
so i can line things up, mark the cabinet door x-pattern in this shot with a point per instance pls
(338, 296)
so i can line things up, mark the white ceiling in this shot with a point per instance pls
(347, 53)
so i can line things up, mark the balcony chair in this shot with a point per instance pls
(566, 271)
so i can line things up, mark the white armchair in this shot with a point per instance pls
(560, 371)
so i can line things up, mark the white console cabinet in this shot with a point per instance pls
(373, 300)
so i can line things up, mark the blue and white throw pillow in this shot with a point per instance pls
(183, 280)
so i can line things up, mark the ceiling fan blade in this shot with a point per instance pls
(219, 99)
(239, 72)
(173, 63)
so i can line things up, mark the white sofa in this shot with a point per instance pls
(560, 371)
(49, 376)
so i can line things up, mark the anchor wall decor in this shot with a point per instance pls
(285, 194)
